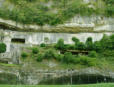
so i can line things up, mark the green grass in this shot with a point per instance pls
(107, 62)
(94, 85)
(8, 65)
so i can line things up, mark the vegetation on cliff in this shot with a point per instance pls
(53, 12)
(86, 54)
(2, 47)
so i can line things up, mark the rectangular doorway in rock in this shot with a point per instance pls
(18, 40)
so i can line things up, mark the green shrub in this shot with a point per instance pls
(109, 7)
(40, 58)
(97, 46)
(105, 41)
(35, 50)
(92, 62)
(76, 41)
(76, 60)
(49, 54)
(42, 45)
(2, 47)
(60, 44)
(108, 53)
(111, 42)
(24, 55)
(69, 47)
(59, 57)
(68, 57)
(81, 46)
(92, 54)
(84, 60)
(32, 12)
(72, 47)
(89, 43)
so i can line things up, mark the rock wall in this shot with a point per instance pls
(97, 23)
(68, 76)
(32, 76)
(38, 38)
(14, 48)
(9, 75)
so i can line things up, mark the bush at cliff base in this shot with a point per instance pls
(2, 47)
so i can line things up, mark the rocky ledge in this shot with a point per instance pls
(69, 76)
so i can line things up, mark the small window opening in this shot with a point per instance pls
(17, 40)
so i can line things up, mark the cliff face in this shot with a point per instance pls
(38, 76)
(17, 35)
(68, 16)
(27, 74)
(97, 22)
(76, 24)
(15, 41)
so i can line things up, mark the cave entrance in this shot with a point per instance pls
(18, 40)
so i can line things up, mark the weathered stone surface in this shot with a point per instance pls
(95, 22)
(38, 38)
(55, 76)
(13, 50)
(33, 76)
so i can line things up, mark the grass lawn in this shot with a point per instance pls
(94, 85)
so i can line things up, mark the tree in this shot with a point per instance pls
(2, 47)
(14, 14)
(76, 41)
(35, 50)
(39, 57)
(89, 43)
(49, 54)
(42, 45)
(60, 44)
(105, 41)
(81, 46)
(112, 41)
(65, 3)
(97, 46)
(24, 55)
(109, 7)
(109, 1)
(39, 19)
(22, 18)
(68, 57)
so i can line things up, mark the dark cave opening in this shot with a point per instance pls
(18, 40)
(78, 79)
